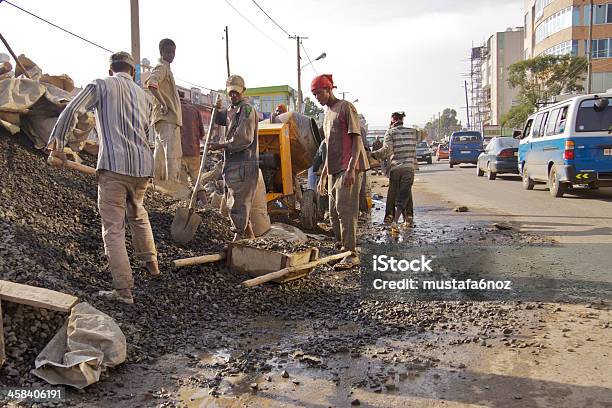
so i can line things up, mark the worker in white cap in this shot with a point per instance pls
(241, 167)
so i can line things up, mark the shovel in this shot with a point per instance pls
(186, 221)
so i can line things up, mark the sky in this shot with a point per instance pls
(387, 54)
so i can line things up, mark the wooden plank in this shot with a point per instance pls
(283, 272)
(35, 296)
(2, 354)
(198, 260)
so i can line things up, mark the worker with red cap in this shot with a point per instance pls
(344, 166)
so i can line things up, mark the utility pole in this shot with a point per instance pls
(227, 50)
(439, 126)
(135, 24)
(299, 71)
(344, 94)
(467, 105)
(590, 50)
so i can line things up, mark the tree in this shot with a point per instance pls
(446, 125)
(311, 109)
(539, 79)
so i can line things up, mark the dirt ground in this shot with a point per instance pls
(197, 340)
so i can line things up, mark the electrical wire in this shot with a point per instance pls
(89, 41)
(309, 60)
(271, 19)
(255, 27)
(55, 25)
(286, 32)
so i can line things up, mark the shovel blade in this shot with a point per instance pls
(184, 225)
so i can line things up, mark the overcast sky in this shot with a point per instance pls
(389, 54)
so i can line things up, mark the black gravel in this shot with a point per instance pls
(50, 236)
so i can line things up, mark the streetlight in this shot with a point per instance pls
(320, 57)
(299, 72)
(355, 101)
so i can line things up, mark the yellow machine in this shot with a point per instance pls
(281, 159)
(275, 160)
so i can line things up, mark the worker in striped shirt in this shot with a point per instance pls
(399, 147)
(124, 114)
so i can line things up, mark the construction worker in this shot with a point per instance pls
(192, 132)
(280, 109)
(377, 144)
(168, 116)
(399, 147)
(241, 166)
(125, 166)
(344, 166)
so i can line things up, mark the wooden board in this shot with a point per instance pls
(256, 261)
(2, 355)
(38, 297)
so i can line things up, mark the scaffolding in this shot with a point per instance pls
(479, 109)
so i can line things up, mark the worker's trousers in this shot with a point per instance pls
(344, 208)
(241, 183)
(120, 198)
(399, 194)
(168, 152)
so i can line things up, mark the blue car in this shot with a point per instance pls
(500, 156)
(465, 147)
(568, 143)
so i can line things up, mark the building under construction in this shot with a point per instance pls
(479, 105)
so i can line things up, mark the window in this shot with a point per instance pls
(600, 48)
(539, 7)
(602, 14)
(592, 119)
(540, 124)
(266, 104)
(527, 128)
(280, 99)
(560, 128)
(559, 21)
(564, 48)
(537, 124)
(552, 122)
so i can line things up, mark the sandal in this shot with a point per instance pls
(115, 295)
(348, 262)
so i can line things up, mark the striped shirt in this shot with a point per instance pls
(124, 114)
(400, 146)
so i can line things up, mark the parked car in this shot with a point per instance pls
(423, 152)
(464, 147)
(442, 152)
(567, 144)
(500, 156)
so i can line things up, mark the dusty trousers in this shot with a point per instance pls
(168, 152)
(400, 192)
(344, 208)
(121, 197)
(241, 182)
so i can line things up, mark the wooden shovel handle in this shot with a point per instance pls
(279, 274)
(72, 165)
(198, 260)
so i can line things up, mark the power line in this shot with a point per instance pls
(55, 25)
(86, 40)
(286, 32)
(254, 26)
(308, 56)
(271, 19)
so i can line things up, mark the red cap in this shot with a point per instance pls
(322, 81)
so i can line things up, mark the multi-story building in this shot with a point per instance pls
(266, 99)
(562, 27)
(492, 97)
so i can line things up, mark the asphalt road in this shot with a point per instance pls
(582, 216)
